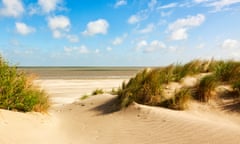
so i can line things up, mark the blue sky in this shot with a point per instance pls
(118, 32)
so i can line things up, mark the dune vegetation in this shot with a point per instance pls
(165, 86)
(98, 92)
(17, 91)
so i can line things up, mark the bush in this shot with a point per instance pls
(17, 91)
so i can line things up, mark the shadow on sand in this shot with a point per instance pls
(108, 107)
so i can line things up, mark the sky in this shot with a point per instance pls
(118, 32)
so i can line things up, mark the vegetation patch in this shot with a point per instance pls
(179, 101)
(97, 92)
(147, 87)
(17, 91)
(84, 97)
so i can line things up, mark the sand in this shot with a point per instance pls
(93, 120)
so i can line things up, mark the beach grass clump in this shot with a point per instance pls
(206, 88)
(114, 91)
(192, 68)
(147, 87)
(98, 92)
(140, 88)
(84, 97)
(227, 71)
(179, 101)
(17, 91)
(143, 88)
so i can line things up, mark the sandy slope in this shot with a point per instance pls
(92, 121)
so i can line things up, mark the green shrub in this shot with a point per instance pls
(97, 92)
(17, 91)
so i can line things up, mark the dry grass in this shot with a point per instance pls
(146, 86)
(97, 92)
(17, 91)
(205, 88)
(180, 100)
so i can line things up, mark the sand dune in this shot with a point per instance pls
(94, 120)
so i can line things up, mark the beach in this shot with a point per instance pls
(71, 120)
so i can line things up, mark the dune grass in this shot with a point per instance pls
(84, 97)
(97, 92)
(17, 91)
(179, 101)
(205, 88)
(147, 86)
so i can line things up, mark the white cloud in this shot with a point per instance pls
(141, 44)
(152, 4)
(72, 38)
(48, 5)
(12, 8)
(59, 22)
(24, 29)
(99, 26)
(166, 14)
(190, 21)
(139, 16)
(109, 49)
(59, 25)
(179, 34)
(81, 49)
(200, 1)
(149, 28)
(119, 40)
(120, 3)
(171, 5)
(153, 46)
(231, 49)
(97, 51)
(33, 9)
(133, 19)
(180, 27)
(230, 44)
(220, 4)
(57, 34)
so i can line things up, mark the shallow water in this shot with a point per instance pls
(82, 72)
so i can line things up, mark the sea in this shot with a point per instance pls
(82, 72)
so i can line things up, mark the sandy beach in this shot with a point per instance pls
(93, 120)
